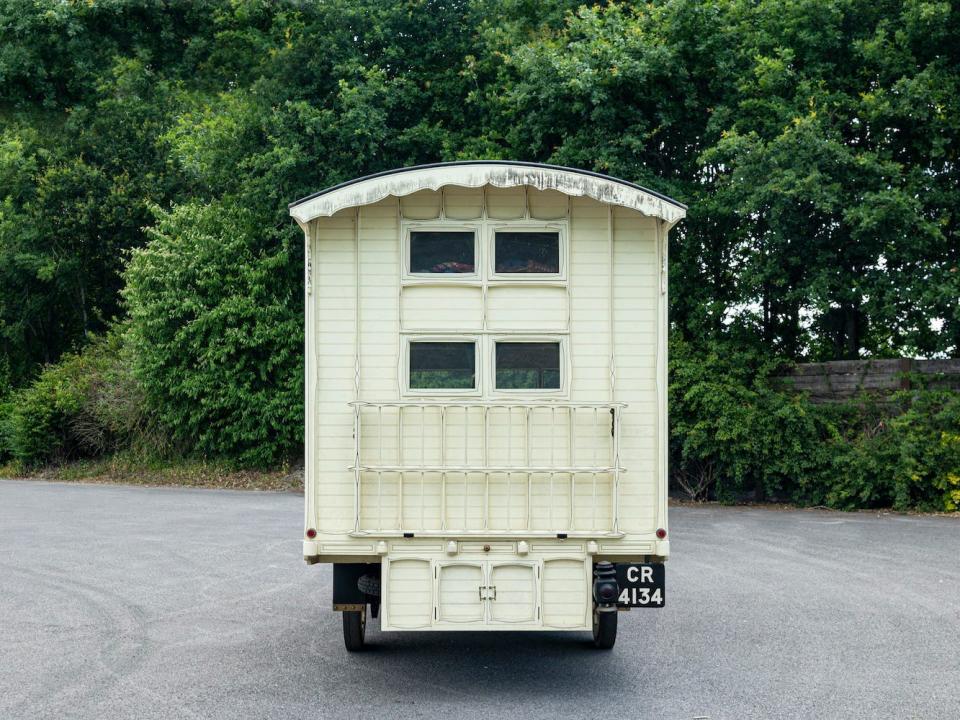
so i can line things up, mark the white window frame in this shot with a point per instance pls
(484, 232)
(475, 391)
(529, 226)
(565, 367)
(439, 226)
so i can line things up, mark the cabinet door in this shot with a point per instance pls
(514, 592)
(408, 600)
(566, 593)
(459, 592)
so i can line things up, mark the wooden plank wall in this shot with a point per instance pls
(842, 379)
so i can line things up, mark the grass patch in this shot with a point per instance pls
(130, 469)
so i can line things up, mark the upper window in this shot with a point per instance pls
(443, 365)
(433, 251)
(527, 252)
(528, 366)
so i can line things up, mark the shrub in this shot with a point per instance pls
(731, 433)
(902, 453)
(856, 457)
(40, 414)
(86, 405)
(6, 407)
(215, 330)
(927, 438)
(736, 433)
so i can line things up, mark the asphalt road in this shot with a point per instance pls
(120, 602)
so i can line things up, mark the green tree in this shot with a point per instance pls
(815, 142)
(838, 162)
(215, 332)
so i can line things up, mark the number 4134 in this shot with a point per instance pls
(640, 596)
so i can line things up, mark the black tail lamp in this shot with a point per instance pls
(605, 588)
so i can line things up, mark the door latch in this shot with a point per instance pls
(488, 592)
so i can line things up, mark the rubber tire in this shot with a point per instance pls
(354, 629)
(604, 629)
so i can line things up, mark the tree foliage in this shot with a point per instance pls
(86, 405)
(215, 333)
(815, 142)
(736, 432)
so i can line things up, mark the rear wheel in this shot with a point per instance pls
(604, 628)
(354, 629)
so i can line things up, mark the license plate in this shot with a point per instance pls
(641, 585)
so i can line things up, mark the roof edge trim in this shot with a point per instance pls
(476, 173)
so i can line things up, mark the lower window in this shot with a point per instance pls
(443, 366)
(528, 366)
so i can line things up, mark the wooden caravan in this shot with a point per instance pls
(486, 397)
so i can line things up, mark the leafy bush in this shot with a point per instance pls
(926, 435)
(87, 404)
(736, 433)
(215, 330)
(40, 414)
(903, 453)
(733, 434)
(6, 407)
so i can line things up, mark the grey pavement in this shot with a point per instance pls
(122, 602)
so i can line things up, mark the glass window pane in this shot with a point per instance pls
(528, 366)
(527, 252)
(442, 365)
(441, 252)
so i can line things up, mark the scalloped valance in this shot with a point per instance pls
(501, 174)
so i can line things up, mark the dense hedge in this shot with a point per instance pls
(731, 432)
(215, 330)
(738, 434)
(815, 143)
(907, 455)
(209, 362)
(88, 404)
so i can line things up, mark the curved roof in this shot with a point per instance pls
(477, 173)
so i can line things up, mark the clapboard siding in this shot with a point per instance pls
(578, 310)
(635, 272)
(334, 298)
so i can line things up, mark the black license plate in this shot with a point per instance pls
(641, 584)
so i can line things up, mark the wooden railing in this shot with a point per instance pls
(486, 468)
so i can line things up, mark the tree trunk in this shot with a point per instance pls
(851, 332)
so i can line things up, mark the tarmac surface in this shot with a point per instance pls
(131, 602)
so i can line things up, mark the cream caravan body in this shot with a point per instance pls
(486, 416)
